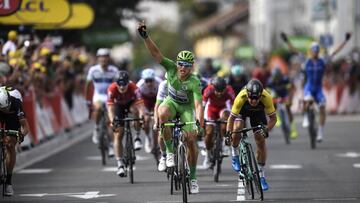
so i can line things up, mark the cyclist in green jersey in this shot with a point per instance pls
(184, 96)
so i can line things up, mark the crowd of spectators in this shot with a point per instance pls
(29, 63)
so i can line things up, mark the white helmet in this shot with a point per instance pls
(148, 74)
(103, 52)
(4, 98)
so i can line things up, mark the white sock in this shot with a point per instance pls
(321, 129)
(235, 151)
(261, 170)
(119, 162)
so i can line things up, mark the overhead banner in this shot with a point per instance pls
(8, 7)
(39, 12)
(82, 16)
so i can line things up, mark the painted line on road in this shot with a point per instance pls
(349, 155)
(97, 158)
(337, 199)
(35, 171)
(285, 166)
(240, 191)
(357, 165)
(113, 169)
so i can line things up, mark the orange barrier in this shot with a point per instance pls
(29, 109)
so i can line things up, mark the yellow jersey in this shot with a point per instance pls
(242, 106)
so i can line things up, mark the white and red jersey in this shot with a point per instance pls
(132, 94)
(148, 92)
(215, 104)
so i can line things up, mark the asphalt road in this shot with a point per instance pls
(295, 173)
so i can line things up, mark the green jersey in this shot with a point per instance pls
(184, 92)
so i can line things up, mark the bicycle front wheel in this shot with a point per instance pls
(131, 155)
(312, 128)
(217, 157)
(183, 173)
(255, 173)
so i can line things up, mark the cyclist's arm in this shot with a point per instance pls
(199, 110)
(156, 107)
(111, 110)
(289, 44)
(153, 49)
(338, 49)
(24, 126)
(269, 109)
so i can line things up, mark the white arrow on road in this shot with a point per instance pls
(349, 155)
(81, 195)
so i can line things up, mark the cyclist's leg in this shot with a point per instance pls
(224, 115)
(306, 102)
(321, 101)
(187, 115)
(118, 136)
(166, 112)
(210, 114)
(238, 125)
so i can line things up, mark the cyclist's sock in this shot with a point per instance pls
(234, 151)
(192, 172)
(119, 162)
(163, 153)
(261, 169)
(8, 179)
(169, 146)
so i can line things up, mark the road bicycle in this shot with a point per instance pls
(129, 152)
(312, 129)
(179, 174)
(249, 171)
(3, 171)
(284, 118)
(104, 137)
(216, 152)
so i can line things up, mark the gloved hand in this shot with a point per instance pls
(228, 138)
(142, 30)
(263, 131)
(347, 36)
(21, 137)
(284, 37)
(201, 131)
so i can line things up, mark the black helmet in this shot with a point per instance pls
(219, 83)
(123, 78)
(254, 89)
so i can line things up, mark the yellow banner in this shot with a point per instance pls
(39, 12)
(82, 15)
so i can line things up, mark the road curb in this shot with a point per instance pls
(57, 144)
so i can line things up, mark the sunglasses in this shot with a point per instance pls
(149, 80)
(254, 98)
(184, 64)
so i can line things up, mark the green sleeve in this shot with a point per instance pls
(197, 90)
(169, 66)
(158, 101)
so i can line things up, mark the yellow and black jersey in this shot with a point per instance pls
(242, 106)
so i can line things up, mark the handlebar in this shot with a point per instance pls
(245, 130)
(178, 124)
(216, 121)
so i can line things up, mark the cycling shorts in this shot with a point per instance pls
(314, 94)
(102, 98)
(256, 117)
(121, 110)
(186, 112)
(213, 113)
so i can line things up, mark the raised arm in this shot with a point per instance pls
(341, 46)
(150, 45)
(288, 43)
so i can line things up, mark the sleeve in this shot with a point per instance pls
(89, 76)
(138, 96)
(111, 94)
(169, 66)
(231, 94)
(197, 90)
(20, 110)
(268, 103)
(238, 103)
(205, 96)
(140, 82)
(162, 92)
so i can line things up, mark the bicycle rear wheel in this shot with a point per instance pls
(256, 174)
(312, 128)
(103, 140)
(285, 125)
(183, 173)
(217, 157)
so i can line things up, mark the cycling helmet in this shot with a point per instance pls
(148, 74)
(254, 89)
(123, 78)
(187, 56)
(219, 83)
(315, 47)
(237, 70)
(103, 52)
(4, 98)
(276, 72)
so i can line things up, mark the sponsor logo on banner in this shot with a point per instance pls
(8, 7)
(39, 12)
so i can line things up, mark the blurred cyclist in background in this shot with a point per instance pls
(148, 87)
(101, 76)
(237, 78)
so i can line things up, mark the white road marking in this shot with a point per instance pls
(349, 155)
(357, 165)
(98, 158)
(285, 166)
(113, 169)
(240, 191)
(337, 199)
(81, 195)
(241, 185)
(35, 171)
(222, 185)
(240, 198)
